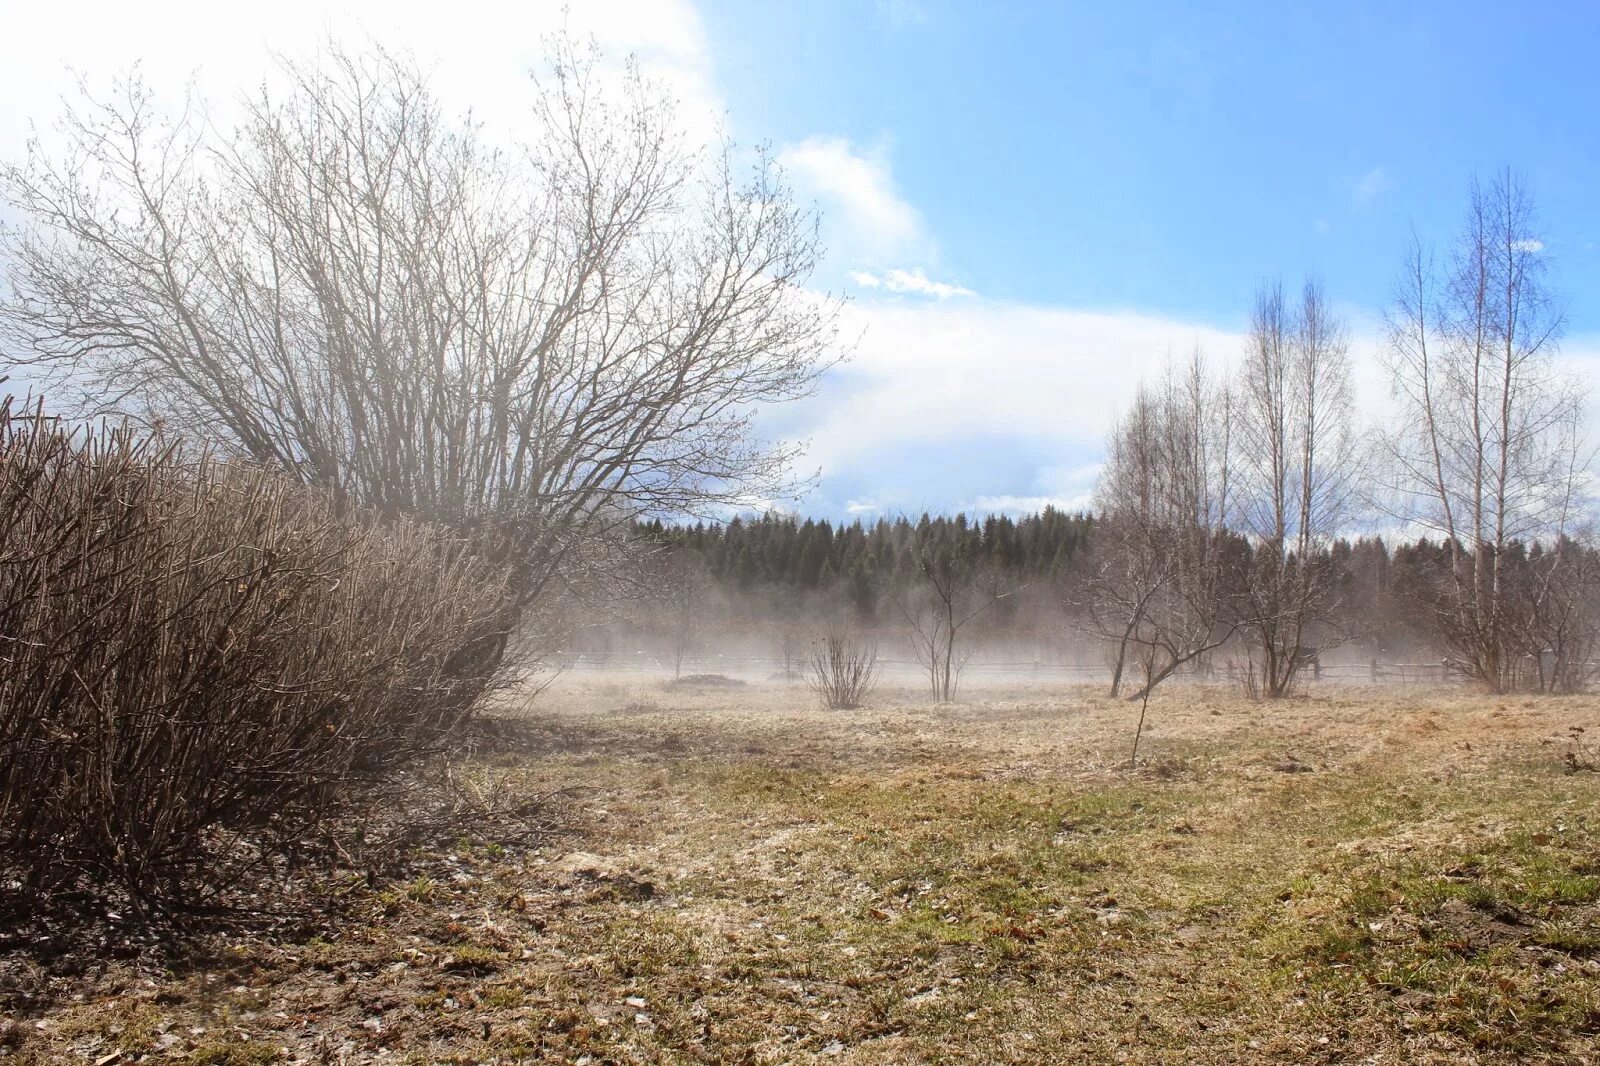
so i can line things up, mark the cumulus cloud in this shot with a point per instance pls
(866, 218)
(989, 405)
(861, 507)
(1528, 244)
(976, 368)
(915, 282)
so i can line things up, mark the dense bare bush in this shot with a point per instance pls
(199, 656)
(1559, 605)
(841, 669)
(1548, 603)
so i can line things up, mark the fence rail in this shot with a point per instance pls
(1373, 671)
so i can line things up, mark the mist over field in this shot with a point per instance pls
(886, 533)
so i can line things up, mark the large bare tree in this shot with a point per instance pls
(534, 342)
(1298, 474)
(1488, 449)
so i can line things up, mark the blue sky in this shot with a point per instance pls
(1167, 155)
(1028, 207)
(1126, 174)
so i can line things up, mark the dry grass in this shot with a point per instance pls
(1362, 875)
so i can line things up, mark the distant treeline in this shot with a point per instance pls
(816, 554)
(783, 565)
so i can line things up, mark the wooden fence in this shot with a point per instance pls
(1373, 671)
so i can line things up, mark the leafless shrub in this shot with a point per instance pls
(682, 597)
(792, 650)
(199, 659)
(1247, 673)
(1579, 757)
(1553, 600)
(841, 669)
(953, 590)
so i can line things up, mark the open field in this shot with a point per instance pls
(1359, 875)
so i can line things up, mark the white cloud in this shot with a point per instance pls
(1072, 484)
(479, 56)
(985, 369)
(988, 405)
(1370, 186)
(866, 218)
(1528, 244)
(1026, 505)
(914, 281)
(861, 507)
(903, 12)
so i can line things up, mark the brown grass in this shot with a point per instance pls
(1360, 875)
